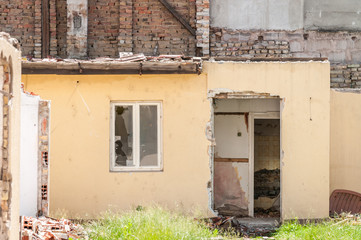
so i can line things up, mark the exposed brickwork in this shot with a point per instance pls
(37, 34)
(125, 37)
(61, 27)
(343, 49)
(346, 76)
(234, 44)
(43, 198)
(203, 26)
(77, 29)
(5, 174)
(157, 31)
(338, 47)
(103, 28)
(17, 17)
(52, 28)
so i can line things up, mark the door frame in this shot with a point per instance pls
(251, 117)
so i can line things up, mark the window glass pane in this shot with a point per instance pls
(123, 136)
(148, 135)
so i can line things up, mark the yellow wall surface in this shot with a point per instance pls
(304, 142)
(345, 159)
(80, 181)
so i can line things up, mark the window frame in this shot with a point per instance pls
(136, 138)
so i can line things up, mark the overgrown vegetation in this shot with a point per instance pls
(158, 223)
(148, 223)
(343, 227)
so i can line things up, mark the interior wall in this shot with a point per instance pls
(345, 153)
(29, 155)
(266, 162)
(231, 192)
(304, 88)
(266, 144)
(231, 180)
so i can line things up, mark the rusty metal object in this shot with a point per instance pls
(345, 201)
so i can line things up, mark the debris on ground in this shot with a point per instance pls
(273, 212)
(45, 228)
(347, 218)
(250, 228)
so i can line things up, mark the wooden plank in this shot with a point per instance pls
(230, 113)
(110, 68)
(244, 160)
(45, 29)
(178, 17)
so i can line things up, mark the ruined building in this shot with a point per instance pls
(217, 28)
(245, 96)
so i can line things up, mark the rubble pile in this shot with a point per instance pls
(266, 183)
(347, 218)
(44, 228)
(242, 229)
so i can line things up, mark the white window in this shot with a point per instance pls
(135, 138)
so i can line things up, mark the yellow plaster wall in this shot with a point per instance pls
(305, 143)
(80, 181)
(345, 159)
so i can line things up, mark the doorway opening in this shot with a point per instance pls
(246, 157)
(266, 168)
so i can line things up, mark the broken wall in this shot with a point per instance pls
(304, 88)
(345, 161)
(231, 152)
(10, 74)
(81, 182)
(78, 29)
(291, 29)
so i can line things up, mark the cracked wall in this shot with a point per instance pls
(10, 69)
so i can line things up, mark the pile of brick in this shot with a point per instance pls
(43, 228)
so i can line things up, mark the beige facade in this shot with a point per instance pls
(345, 157)
(82, 184)
(10, 76)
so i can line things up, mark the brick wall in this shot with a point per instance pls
(103, 28)
(43, 153)
(17, 17)
(6, 85)
(61, 27)
(343, 49)
(156, 31)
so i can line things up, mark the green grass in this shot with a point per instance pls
(148, 223)
(331, 229)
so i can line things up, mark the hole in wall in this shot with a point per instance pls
(305, 36)
(260, 38)
(353, 38)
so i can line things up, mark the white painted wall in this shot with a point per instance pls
(228, 143)
(29, 154)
